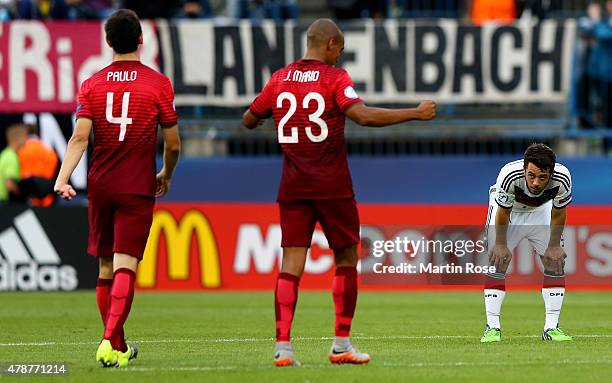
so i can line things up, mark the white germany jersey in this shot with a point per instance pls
(512, 192)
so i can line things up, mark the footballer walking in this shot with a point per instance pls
(123, 104)
(309, 100)
(528, 201)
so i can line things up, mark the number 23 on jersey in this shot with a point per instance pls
(313, 117)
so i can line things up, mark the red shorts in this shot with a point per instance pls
(338, 218)
(119, 224)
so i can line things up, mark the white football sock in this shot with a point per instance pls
(341, 344)
(553, 300)
(493, 301)
(286, 346)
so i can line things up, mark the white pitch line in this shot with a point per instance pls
(482, 364)
(374, 364)
(195, 369)
(254, 340)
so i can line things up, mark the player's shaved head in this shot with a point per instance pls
(321, 31)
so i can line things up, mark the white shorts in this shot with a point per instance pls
(532, 225)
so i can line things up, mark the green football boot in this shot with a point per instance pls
(555, 335)
(126, 357)
(491, 335)
(106, 355)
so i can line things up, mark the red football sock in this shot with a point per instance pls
(285, 299)
(344, 288)
(495, 283)
(553, 281)
(103, 298)
(121, 296)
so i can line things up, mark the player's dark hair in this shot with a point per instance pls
(541, 156)
(123, 31)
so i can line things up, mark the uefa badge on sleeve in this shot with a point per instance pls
(502, 197)
(350, 92)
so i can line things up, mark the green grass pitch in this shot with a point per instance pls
(227, 337)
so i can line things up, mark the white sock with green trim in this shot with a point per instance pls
(493, 301)
(553, 301)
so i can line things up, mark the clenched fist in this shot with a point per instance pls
(426, 110)
(64, 190)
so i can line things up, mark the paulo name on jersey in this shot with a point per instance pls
(126, 102)
(512, 191)
(307, 100)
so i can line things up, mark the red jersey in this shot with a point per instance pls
(126, 102)
(308, 99)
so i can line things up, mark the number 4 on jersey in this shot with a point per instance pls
(124, 120)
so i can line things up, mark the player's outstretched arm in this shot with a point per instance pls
(76, 147)
(377, 117)
(250, 121)
(172, 151)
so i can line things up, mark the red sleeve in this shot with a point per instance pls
(344, 92)
(262, 106)
(83, 108)
(167, 109)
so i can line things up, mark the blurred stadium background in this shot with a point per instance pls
(504, 73)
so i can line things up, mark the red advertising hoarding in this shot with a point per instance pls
(237, 246)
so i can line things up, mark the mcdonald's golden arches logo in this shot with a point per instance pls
(178, 249)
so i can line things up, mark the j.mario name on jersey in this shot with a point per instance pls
(122, 76)
(299, 76)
